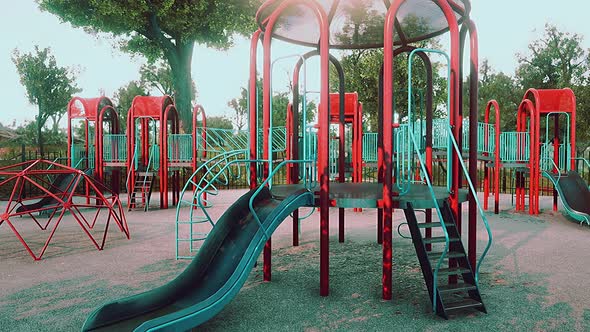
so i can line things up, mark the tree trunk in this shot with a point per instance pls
(181, 76)
(40, 136)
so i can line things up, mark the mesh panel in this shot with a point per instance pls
(359, 23)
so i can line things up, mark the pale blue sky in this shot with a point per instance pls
(505, 27)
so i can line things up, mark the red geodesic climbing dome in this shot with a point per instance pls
(44, 192)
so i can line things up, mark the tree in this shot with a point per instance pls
(48, 86)
(280, 100)
(219, 122)
(557, 60)
(162, 30)
(159, 76)
(124, 97)
(498, 86)
(361, 67)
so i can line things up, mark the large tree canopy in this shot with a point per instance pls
(48, 86)
(162, 29)
(557, 60)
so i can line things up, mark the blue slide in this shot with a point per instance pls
(212, 279)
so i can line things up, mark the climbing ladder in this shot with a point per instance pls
(450, 297)
(193, 221)
(142, 191)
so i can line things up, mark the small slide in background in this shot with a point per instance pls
(61, 185)
(212, 279)
(574, 194)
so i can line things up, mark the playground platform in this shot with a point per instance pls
(532, 280)
(369, 195)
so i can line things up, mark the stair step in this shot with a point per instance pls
(439, 239)
(145, 174)
(463, 304)
(456, 287)
(452, 271)
(434, 224)
(450, 254)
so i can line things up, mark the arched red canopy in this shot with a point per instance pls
(358, 24)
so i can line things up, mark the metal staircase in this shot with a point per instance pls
(142, 191)
(450, 297)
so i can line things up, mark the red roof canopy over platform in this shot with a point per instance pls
(150, 106)
(358, 24)
(87, 108)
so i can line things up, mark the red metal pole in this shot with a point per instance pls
(556, 154)
(473, 118)
(253, 108)
(572, 128)
(388, 146)
(323, 120)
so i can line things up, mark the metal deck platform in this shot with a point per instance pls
(369, 195)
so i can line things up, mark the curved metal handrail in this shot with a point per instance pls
(479, 207)
(268, 180)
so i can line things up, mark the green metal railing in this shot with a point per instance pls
(515, 147)
(180, 148)
(78, 153)
(370, 147)
(115, 148)
(204, 181)
(473, 192)
(450, 145)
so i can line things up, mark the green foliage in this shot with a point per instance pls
(48, 86)
(27, 135)
(557, 60)
(158, 76)
(501, 87)
(361, 71)
(280, 100)
(162, 29)
(220, 122)
(123, 98)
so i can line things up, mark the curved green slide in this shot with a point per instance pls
(212, 279)
(574, 193)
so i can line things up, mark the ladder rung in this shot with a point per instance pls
(191, 240)
(450, 254)
(452, 271)
(456, 287)
(463, 304)
(439, 239)
(198, 221)
(433, 224)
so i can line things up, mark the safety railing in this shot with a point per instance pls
(370, 147)
(473, 192)
(515, 147)
(204, 182)
(114, 148)
(180, 148)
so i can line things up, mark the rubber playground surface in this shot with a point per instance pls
(536, 276)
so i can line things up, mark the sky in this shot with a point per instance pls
(505, 27)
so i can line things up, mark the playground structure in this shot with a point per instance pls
(99, 119)
(532, 151)
(59, 190)
(405, 167)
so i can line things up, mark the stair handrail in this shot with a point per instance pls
(473, 192)
(131, 168)
(426, 177)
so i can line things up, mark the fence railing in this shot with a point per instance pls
(115, 148)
